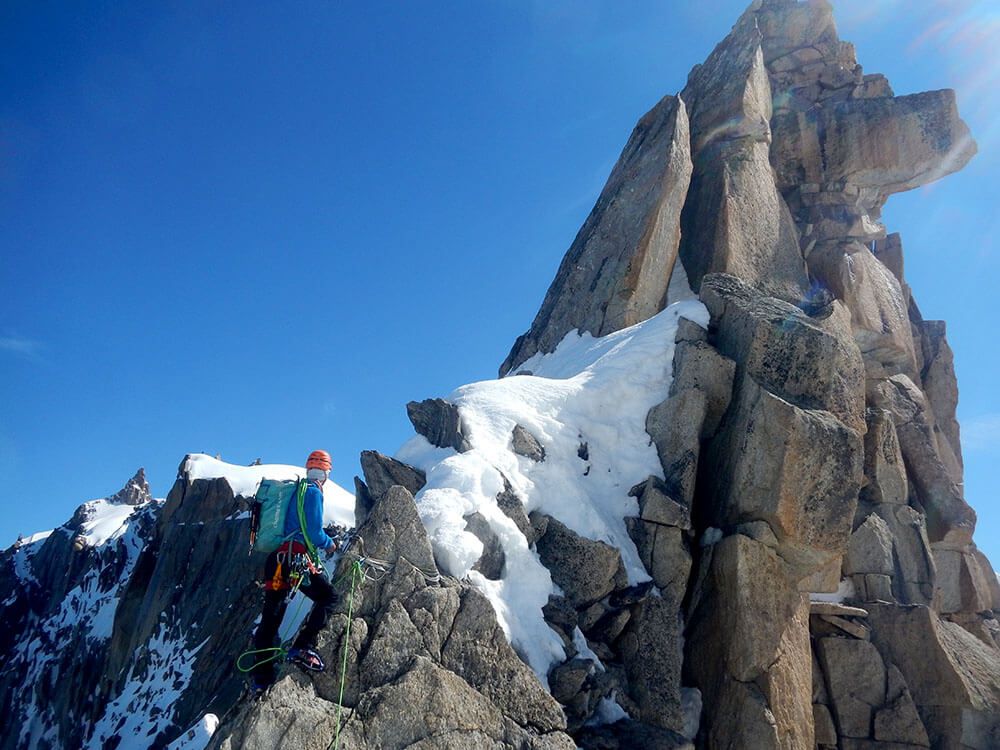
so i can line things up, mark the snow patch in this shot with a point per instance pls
(197, 737)
(583, 649)
(338, 503)
(607, 712)
(593, 391)
(161, 671)
(845, 590)
(37, 537)
(23, 554)
(106, 521)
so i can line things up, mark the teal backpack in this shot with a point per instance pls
(271, 504)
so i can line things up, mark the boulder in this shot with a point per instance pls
(856, 678)
(698, 366)
(675, 426)
(617, 271)
(826, 733)
(870, 549)
(914, 578)
(439, 422)
(586, 570)
(810, 363)
(880, 145)
(689, 331)
(735, 220)
(513, 508)
(729, 95)
(948, 516)
(873, 587)
(394, 529)
(735, 210)
(658, 507)
(894, 144)
(650, 649)
(363, 501)
(293, 715)
(382, 472)
(940, 386)
(663, 551)
(789, 28)
(799, 470)
(788, 683)
(523, 443)
(626, 734)
(566, 680)
(885, 474)
(898, 720)
(992, 582)
(890, 252)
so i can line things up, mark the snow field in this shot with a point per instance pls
(592, 391)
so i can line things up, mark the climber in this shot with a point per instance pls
(294, 560)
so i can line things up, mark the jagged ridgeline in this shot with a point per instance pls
(715, 499)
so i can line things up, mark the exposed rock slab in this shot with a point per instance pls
(651, 653)
(954, 677)
(878, 307)
(885, 474)
(797, 470)
(811, 363)
(618, 268)
(749, 628)
(948, 515)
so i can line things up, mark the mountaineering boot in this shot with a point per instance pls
(306, 658)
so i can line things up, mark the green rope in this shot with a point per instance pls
(356, 573)
(300, 503)
(280, 652)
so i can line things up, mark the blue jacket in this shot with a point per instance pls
(313, 507)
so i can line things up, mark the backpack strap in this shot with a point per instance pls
(301, 506)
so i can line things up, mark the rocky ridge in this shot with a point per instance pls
(811, 578)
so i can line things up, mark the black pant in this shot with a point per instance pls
(318, 588)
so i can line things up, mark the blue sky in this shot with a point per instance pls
(254, 229)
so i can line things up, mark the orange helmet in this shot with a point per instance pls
(319, 460)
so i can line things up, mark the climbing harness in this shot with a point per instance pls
(294, 557)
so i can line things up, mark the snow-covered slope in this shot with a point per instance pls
(592, 392)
